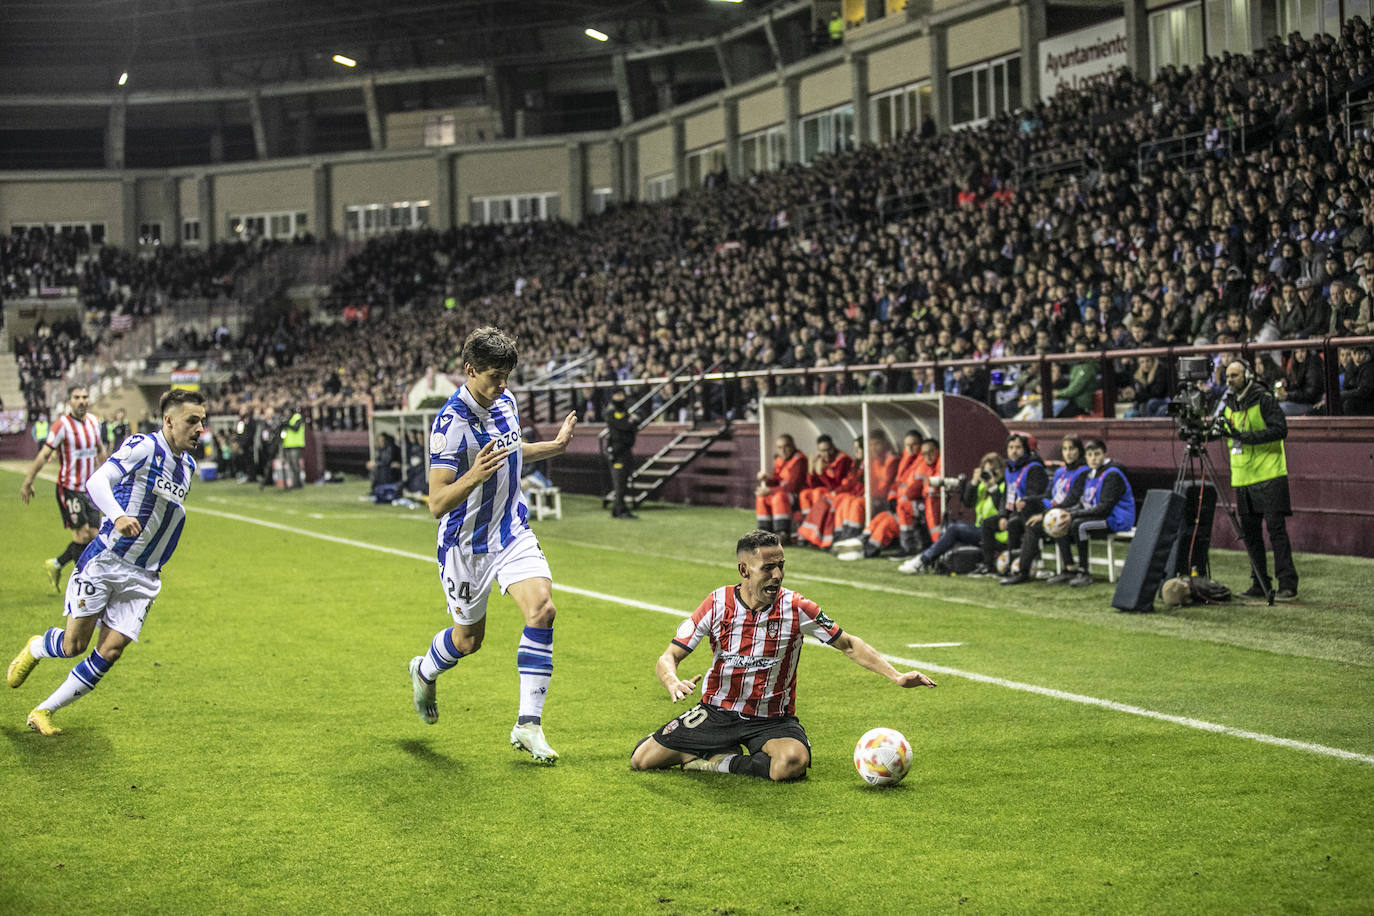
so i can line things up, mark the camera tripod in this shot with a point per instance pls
(1196, 455)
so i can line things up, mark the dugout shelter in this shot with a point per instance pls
(966, 429)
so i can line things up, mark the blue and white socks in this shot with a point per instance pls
(442, 655)
(48, 645)
(534, 660)
(82, 680)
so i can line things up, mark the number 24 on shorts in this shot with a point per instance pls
(463, 590)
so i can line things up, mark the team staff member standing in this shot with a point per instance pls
(76, 437)
(484, 537)
(756, 629)
(621, 430)
(1255, 429)
(292, 445)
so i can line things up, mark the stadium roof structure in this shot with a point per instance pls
(60, 46)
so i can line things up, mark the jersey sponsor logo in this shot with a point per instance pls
(506, 440)
(823, 621)
(171, 490)
(751, 662)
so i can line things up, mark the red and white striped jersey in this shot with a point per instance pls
(756, 652)
(77, 442)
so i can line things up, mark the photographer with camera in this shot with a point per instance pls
(1255, 427)
(1027, 485)
(985, 490)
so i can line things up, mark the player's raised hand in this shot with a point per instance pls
(128, 526)
(681, 689)
(566, 430)
(914, 679)
(488, 460)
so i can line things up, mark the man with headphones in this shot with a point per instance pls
(1255, 428)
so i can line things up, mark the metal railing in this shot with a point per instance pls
(1187, 151)
(841, 379)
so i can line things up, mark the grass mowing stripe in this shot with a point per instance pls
(1050, 692)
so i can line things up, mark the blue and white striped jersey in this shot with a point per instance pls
(495, 512)
(151, 487)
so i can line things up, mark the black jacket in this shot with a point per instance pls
(621, 431)
(1357, 392)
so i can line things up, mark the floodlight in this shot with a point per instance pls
(123, 77)
(598, 35)
(346, 61)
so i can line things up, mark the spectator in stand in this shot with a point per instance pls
(1357, 390)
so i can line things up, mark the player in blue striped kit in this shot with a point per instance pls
(484, 535)
(140, 491)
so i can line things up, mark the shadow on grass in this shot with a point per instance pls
(77, 744)
(423, 753)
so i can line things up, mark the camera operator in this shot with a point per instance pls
(1027, 485)
(984, 491)
(1255, 428)
(622, 429)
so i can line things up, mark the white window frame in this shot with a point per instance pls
(601, 199)
(1177, 25)
(702, 162)
(763, 150)
(833, 130)
(538, 206)
(989, 77)
(277, 224)
(660, 187)
(366, 220)
(904, 107)
(441, 129)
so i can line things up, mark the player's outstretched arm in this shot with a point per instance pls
(867, 656)
(45, 454)
(666, 669)
(447, 490)
(538, 451)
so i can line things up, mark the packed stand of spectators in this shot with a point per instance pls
(39, 259)
(936, 248)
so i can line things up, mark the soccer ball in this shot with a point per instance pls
(1008, 564)
(1056, 523)
(882, 756)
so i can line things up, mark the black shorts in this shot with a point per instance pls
(705, 730)
(77, 509)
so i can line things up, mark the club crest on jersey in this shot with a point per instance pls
(774, 629)
(437, 443)
(670, 727)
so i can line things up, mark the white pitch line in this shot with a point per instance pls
(932, 645)
(1050, 692)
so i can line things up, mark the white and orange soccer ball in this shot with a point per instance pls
(1057, 523)
(882, 756)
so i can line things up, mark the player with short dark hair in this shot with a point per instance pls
(755, 629)
(476, 454)
(77, 437)
(140, 490)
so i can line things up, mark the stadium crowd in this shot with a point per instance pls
(1046, 230)
(1266, 233)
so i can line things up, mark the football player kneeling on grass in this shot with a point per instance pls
(756, 630)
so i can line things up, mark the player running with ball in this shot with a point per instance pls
(756, 630)
(484, 534)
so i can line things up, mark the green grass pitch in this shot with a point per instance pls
(258, 752)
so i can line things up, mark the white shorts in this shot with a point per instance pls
(117, 592)
(467, 578)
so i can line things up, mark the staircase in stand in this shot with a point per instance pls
(649, 477)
